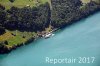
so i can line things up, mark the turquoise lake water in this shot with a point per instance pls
(81, 39)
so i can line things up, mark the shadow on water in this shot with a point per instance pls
(2, 57)
(77, 22)
(33, 54)
(19, 50)
(68, 26)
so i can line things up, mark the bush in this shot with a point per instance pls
(12, 1)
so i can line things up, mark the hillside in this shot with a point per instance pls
(87, 1)
(70, 11)
(22, 3)
(22, 21)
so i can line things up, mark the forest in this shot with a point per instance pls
(63, 12)
(58, 14)
(66, 12)
(25, 19)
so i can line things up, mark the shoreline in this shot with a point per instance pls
(7, 50)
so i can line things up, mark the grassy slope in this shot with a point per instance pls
(18, 38)
(22, 3)
(13, 40)
(87, 1)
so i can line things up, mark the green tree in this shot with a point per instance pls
(11, 1)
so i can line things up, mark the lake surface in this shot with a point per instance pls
(81, 39)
